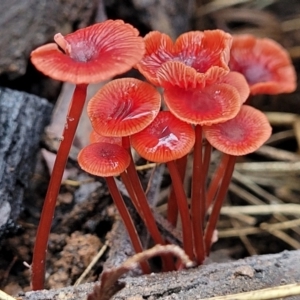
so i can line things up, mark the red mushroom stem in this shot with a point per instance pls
(215, 213)
(145, 210)
(123, 211)
(172, 213)
(215, 182)
(206, 162)
(198, 205)
(183, 209)
(44, 227)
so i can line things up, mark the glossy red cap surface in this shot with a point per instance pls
(166, 138)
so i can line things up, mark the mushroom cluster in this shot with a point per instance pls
(205, 78)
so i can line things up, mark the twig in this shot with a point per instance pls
(217, 5)
(278, 154)
(92, 263)
(296, 126)
(280, 137)
(4, 296)
(287, 209)
(281, 118)
(243, 237)
(282, 168)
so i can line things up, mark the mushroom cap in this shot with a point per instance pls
(197, 49)
(241, 135)
(166, 138)
(239, 81)
(104, 159)
(198, 98)
(265, 64)
(92, 54)
(123, 107)
(97, 138)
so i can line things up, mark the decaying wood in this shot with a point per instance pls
(22, 121)
(31, 23)
(253, 273)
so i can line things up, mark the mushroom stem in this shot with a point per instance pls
(214, 216)
(146, 212)
(183, 209)
(206, 163)
(123, 211)
(215, 182)
(44, 227)
(198, 205)
(172, 213)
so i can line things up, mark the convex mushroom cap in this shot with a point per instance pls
(104, 159)
(166, 138)
(241, 135)
(92, 54)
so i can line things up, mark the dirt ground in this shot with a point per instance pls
(85, 214)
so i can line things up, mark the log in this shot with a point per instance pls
(253, 273)
(31, 23)
(22, 121)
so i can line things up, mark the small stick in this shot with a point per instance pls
(287, 209)
(4, 296)
(91, 264)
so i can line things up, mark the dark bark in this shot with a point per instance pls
(22, 121)
(253, 273)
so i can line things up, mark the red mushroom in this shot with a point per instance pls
(109, 160)
(92, 54)
(165, 140)
(121, 108)
(239, 136)
(201, 99)
(265, 64)
(196, 49)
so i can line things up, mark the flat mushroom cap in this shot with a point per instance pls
(199, 50)
(92, 54)
(104, 159)
(265, 64)
(166, 138)
(198, 98)
(241, 135)
(123, 107)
